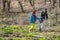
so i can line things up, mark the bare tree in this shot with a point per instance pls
(20, 2)
(32, 2)
(54, 1)
(4, 1)
(45, 1)
(50, 4)
(57, 6)
(8, 4)
(59, 3)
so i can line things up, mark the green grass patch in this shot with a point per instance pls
(56, 37)
(1, 38)
(42, 38)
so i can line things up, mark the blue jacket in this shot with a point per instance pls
(32, 19)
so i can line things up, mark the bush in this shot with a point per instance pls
(7, 30)
(42, 38)
(1, 38)
(29, 35)
(57, 38)
(1, 30)
(10, 39)
(10, 29)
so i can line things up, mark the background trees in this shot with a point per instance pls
(31, 2)
(4, 4)
(20, 2)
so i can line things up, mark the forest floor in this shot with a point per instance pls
(17, 28)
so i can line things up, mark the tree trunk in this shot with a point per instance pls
(59, 3)
(45, 1)
(54, 1)
(21, 6)
(32, 2)
(8, 4)
(50, 4)
(4, 2)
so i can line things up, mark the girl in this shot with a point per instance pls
(33, 19)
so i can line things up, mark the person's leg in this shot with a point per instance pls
(41, 27)
(46, 16)
(32, 26)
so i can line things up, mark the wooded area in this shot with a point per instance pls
(29, 5)
(32, 3)
(15, 19)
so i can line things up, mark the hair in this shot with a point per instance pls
(34, 12)
(45, 8)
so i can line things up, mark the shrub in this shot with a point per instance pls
(57, 38)
(7, 30)
(10, 39)
(1, 38)
(42, 38)
(29, 35)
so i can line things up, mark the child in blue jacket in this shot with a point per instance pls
(33, 19)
